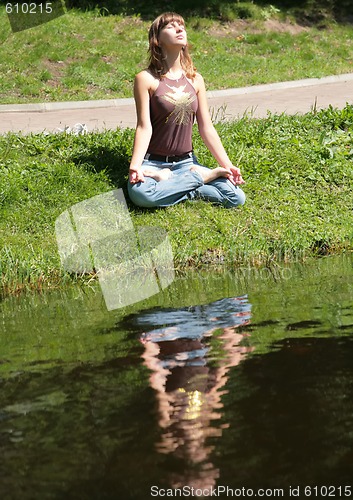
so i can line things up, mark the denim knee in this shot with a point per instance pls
(140, 196)
(240, 196)
(232, 198)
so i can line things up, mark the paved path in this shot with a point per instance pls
(287, 97)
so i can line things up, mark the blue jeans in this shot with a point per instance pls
(183, 185)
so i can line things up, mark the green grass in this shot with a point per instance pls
(298, 169)
(299, 182)
(84, 56)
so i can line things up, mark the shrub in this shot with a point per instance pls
(309, 10)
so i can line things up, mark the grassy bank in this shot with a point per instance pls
(299, 195)
(84, 55)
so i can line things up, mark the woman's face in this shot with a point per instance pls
(173, 34)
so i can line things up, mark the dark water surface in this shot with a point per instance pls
(238, 380)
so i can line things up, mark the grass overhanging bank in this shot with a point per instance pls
(299, 185)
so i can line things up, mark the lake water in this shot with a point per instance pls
(240, 380)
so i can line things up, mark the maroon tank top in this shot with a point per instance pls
(172, 107)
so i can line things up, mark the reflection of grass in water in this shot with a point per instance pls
(74, 325)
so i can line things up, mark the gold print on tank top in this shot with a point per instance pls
(183, 105)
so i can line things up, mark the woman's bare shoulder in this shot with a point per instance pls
(198, 82)
(146, 79)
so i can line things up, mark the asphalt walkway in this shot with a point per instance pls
(287, 97)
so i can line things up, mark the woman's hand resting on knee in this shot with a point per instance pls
(136, 175)
(235, 177)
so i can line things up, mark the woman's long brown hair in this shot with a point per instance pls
(157, 64)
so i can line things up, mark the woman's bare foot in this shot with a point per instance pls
(159, 175)
(210, 174)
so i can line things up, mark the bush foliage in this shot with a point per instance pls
(305, 10)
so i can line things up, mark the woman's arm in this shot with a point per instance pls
(210, 135)
(143, 128)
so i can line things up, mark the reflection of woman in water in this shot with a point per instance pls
(190, 359)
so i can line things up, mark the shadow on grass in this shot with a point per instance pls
(111, 154)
